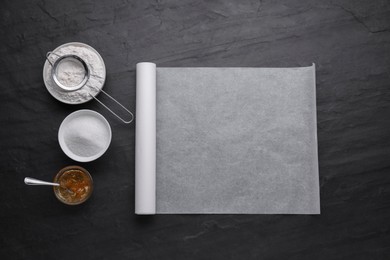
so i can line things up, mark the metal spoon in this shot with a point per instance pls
(32, 181)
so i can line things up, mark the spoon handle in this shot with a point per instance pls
(32, 181)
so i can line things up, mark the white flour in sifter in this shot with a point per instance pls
(86, 136)
(70, 72)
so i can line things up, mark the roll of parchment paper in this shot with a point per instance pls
(145, 156)
(226, 141)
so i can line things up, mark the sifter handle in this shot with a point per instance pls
(112, 112)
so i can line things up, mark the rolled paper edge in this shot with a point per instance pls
(145, 152)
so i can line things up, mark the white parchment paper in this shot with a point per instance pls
(236, 141)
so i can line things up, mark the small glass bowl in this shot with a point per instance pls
(76, 185)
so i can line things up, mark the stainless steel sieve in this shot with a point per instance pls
(71, 88)
(58, 61)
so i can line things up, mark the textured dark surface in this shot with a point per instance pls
(348, 40)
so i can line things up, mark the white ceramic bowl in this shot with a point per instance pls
(84, 135)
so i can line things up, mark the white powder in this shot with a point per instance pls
(70, 72)
(86, 136)
(96, 68)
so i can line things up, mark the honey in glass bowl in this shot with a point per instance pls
(76, 185)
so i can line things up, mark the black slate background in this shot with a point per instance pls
(348, 40)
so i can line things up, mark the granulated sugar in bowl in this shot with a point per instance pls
(84, 135)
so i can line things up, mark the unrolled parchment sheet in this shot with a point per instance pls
(234, 141)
